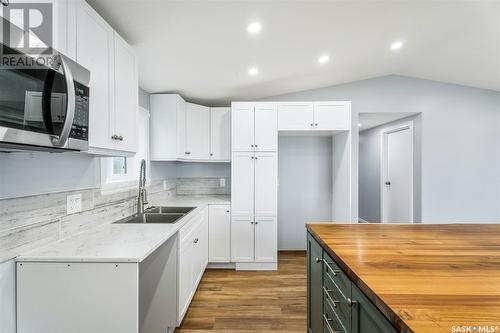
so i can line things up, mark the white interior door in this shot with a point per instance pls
(397, 175)
(266, 184)
(242, 129)
(266, 127)
(197, 132)
(242, 184)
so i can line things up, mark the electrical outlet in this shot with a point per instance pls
(73, 203)
(222, 182)
(164, 185)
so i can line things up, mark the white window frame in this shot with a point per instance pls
(116, 183)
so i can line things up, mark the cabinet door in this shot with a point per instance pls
(197, 132)
(163, 127)
(314, 286)
(186, 264)
(219, 233)
(295, 116)
(266, 184)
(266, 239)
(94, 45)
(220, 134)
(126, 90)
(366, 318)
(242, 129)
(266, 127)
(242, 184)
(332, 116)
(181, 128)
(242, 239)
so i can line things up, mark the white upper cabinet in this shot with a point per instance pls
(197, 140)
(266, 184)
(113, 81)
(220, 134)
(188, 132)
(126, 91)
(332, 116)
(306, 116)
(94, 45)
(254, 127)
(266, 127)
(295, 116)
(242, 119)
(166, 109)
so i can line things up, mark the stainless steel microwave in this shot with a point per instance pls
(45, 106)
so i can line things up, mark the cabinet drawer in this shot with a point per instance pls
(186, 234)
(337, 301)
(332, 323)
(335, 275)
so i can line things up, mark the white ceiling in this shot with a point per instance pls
(201, 49)
(374, 119)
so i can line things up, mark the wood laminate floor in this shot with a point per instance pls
(262, 301)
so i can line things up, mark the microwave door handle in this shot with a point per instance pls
(60, 140)
(46, 100)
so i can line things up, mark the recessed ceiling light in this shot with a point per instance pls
(396, 45)
(323, 58)
(254, 28)
(253, 71)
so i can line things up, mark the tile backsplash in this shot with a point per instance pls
(33, 221)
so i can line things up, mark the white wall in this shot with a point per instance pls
(305, 187)
(460, 140)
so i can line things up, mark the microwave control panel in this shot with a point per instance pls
(80, 127)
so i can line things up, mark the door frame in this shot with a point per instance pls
(408, 125)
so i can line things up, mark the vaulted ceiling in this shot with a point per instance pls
(202, 49)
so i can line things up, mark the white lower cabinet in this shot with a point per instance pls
(219, 233)
(266, 240)
(193, 259)
(242, 239)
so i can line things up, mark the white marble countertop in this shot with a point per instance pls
(120, 242)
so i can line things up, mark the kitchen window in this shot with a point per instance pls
(123, 172)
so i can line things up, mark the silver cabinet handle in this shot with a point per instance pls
(114, 137)
(318, 260)
(351, 303)
(312, 124)
(328, 267)
(211, 154)
(60, 140)
(227, 211)
(327, 321)
(5, 2)
(195, 240)
(256, 222)
(256, 146)
(188, 153)
(120, 138)
(252, 222)
(327, 293)
(252, 157)
(316, 125)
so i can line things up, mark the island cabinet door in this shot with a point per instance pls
(366, 318)
(314, 286)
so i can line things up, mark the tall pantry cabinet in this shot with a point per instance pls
(254, 185)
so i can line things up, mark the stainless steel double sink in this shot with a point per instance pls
(162, 214)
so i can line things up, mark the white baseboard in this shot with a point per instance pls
(256, 266)
(221, 265)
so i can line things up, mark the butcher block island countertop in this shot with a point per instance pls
(424, 278)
